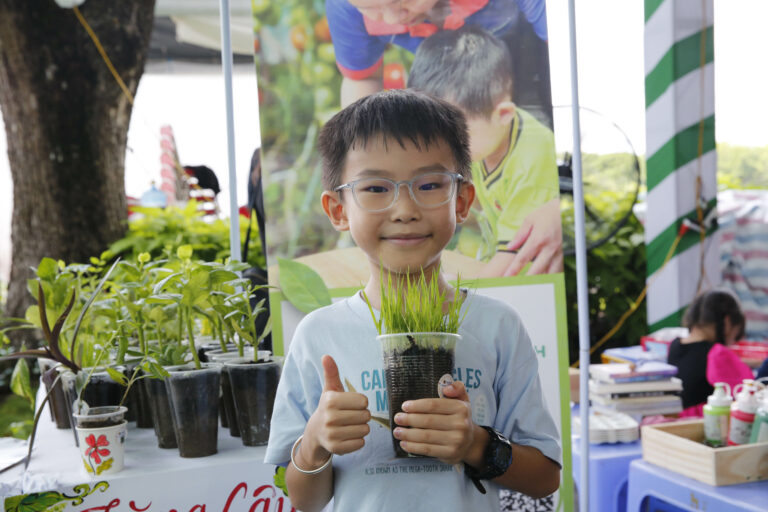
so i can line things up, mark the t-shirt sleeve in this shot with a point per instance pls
(298, 394)
(522, 410)
(529, 184)
(358, 54)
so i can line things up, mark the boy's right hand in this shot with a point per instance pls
(340, 422)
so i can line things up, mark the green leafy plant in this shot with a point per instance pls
(242, 319)
(418, 305)
(161, 231)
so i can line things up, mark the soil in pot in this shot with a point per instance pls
(101, 417)
(413, 374)
(254, 385)
(194, 399)
(162, 416)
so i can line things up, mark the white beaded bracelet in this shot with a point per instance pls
(314, 471)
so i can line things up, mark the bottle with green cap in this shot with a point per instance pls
(716, 415)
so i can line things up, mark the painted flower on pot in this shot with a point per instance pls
(95, 450)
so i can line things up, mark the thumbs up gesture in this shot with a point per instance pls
(340, 422)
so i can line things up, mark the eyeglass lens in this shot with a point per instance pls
(427, 190)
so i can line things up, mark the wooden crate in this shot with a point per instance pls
(679, 447)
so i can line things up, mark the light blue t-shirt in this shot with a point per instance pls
(494, 359)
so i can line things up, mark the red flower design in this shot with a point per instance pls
(94, 451)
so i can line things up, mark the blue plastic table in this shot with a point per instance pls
(608, 473)
(657, 489)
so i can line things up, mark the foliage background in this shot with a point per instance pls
(617, 268)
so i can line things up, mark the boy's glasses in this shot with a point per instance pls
(427, 190)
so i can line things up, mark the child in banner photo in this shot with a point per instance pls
(361, 30)
(321, 430)
(513, 154)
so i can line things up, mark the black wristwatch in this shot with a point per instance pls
(496, 459)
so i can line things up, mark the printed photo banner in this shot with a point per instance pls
(488, 57)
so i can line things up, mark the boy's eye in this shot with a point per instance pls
(434, 185)
(375, 187)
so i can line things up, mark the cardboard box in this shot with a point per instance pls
(679, 447)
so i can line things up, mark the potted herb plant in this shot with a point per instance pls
(418, 330)
(253, 379)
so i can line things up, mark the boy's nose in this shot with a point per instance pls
(404, 208)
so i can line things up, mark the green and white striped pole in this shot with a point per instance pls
(681, 156)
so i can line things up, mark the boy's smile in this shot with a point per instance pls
(405, 237)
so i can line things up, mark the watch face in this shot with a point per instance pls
(501, 454)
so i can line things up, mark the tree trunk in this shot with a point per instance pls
(66, 119)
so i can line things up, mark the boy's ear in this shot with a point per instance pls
(464, 197)
(504, 113)
(334, 209)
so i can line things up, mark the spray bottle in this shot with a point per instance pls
(742, 413)
(760, 426)
(716, 415)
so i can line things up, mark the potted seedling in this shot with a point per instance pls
(253, 379)
(418, 330)
(54, 349)
(101, 431)
(193, 393)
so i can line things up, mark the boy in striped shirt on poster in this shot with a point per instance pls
(513, 154)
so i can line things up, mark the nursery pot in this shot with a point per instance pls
(414, 365)
(138, 398)
(254, 385)
(194, 399)
(209, 345)
(162, 416)
(57, 402)
(102, 449)
(228, 414)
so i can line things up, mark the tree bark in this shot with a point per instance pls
(66, 120)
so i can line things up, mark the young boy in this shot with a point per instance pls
(322, 429)
(513, 154)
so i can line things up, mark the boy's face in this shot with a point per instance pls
(405, 236)
(395, 12)
(489, 134)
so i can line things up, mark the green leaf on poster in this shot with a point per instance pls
(302, 286)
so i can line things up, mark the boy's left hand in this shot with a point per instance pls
(440, 427)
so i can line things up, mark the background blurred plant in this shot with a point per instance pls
(161, 231)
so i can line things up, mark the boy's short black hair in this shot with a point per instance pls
(397, 115)
(469, 66)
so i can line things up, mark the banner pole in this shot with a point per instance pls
(581, 267)
(226, 63)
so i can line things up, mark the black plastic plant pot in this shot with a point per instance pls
(138, 399)
(254, 385)
(194, 399)
(162, 418)
(57, 402)
(415, 364)
(228, 412)
(204, 348)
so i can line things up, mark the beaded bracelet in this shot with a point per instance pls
(314, 471)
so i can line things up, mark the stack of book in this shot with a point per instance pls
(643, 390)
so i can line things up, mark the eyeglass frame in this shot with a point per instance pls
(456, 180)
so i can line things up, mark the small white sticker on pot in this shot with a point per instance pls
(445, 381)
